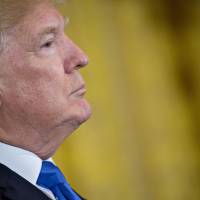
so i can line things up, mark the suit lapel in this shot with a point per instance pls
(14, 187)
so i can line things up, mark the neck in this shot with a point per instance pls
(43, 144)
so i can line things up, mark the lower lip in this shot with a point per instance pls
(79, 92)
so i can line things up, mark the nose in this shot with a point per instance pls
(74, 58)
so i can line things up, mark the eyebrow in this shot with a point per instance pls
(48, 30)
(53, 28)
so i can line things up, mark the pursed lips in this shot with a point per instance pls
(80, 91)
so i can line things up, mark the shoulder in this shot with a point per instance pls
(14, 187)
(5, 172)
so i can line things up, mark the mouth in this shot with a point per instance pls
(80, 91)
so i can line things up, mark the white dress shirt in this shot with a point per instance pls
(24, 163)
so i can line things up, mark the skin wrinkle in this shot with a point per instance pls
(39, 107)
(3, 40)
(10, 18)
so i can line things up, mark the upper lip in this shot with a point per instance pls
(81, 87)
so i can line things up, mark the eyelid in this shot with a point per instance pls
(48, 37)
(49, 40)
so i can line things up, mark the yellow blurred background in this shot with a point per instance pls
(143, 80)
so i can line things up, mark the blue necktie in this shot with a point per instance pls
(52, 178)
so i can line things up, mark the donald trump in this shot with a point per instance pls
(41, 99)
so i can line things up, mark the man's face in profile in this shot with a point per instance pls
(42, 86)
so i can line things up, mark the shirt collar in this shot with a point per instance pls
(23, 162)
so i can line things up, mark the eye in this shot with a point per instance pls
(48, 44)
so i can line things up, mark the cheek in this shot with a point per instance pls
(39, 105)
(35, 92)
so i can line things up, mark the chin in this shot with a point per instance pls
(77, 113)
(83, 111)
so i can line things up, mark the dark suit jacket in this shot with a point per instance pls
(14, 187)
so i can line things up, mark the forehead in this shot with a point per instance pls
(43, 16)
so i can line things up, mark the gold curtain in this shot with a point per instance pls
(143, 80)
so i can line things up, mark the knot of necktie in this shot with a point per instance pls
(50, 175)
(52, 178)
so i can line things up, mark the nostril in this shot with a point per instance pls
(83, 62)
